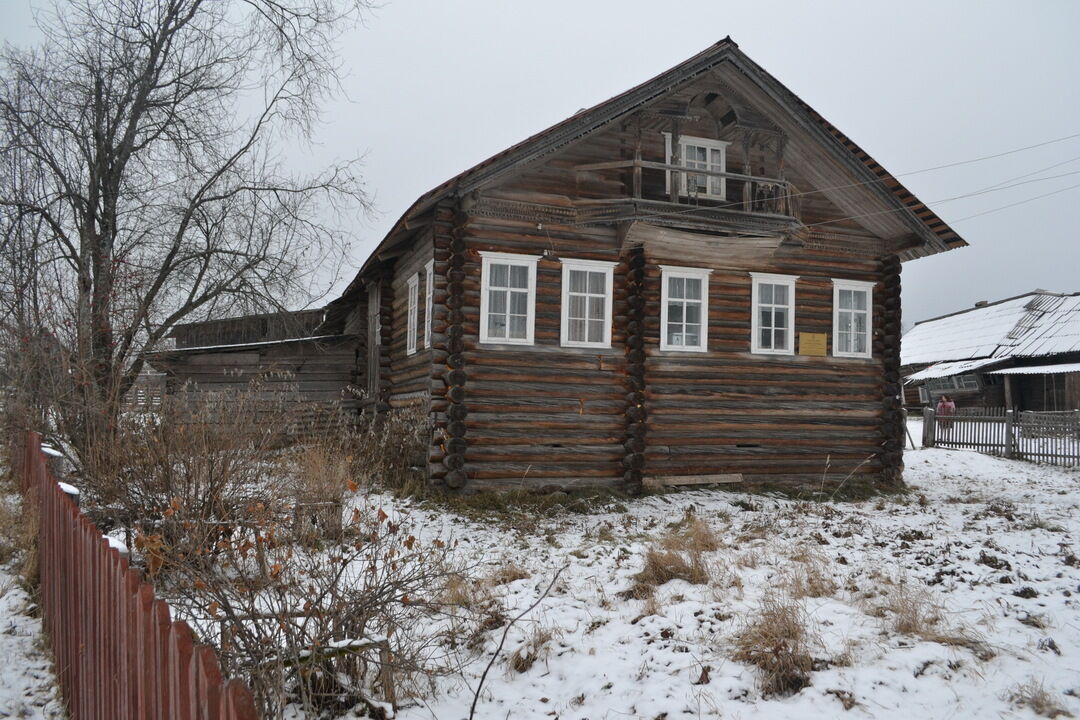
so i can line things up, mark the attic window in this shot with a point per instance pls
(700, 154)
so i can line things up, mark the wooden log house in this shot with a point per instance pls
(696, 281)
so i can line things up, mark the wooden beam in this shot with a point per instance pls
(656, 481)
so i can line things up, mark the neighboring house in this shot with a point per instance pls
(282, 352)
(1021, 353)
(695, 281)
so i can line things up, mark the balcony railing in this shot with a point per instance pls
(745, 193)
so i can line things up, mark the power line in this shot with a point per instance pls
(913, 172)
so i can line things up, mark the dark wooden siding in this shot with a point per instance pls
(768, 417)
(409, 374)
(543, 414)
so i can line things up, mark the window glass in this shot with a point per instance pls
(684, 312)
(852, 321)
(508, 301)
(587, 302)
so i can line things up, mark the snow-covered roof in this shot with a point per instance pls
(1039, 369)
(947, 369)
(1033, 325)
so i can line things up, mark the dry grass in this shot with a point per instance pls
(506, 573)
(663, 566)
(915, 612)
(691, 535)
(810, 578)
(1041, 701)
(777, 642)
(534, 648)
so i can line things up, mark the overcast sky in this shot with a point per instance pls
(435, 87)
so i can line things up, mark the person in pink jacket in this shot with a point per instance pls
(945, 409)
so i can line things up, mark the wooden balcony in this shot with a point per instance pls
(751, 203)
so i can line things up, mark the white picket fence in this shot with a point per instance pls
(1048, 437)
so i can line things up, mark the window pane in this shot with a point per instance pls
(843, 342)
(596, 308)
(497, 326)
(675, 312)
(497, 301)
(578, 281)
(691, 335)
(765, 293)
(519, 277)
(577, 306)
(693, 288)
(860, 344)
(766, 318)
(596, 331)
(576, 330)
(517, 327)
(780, 294)
(693, 312)
(779, 340)
(499, 275)
(780, 318)
(860, 322)
(519, 303)
(859, 300)
(674, 334)
(676, 288)
(844, 322)
(765, 339)
(598, 283)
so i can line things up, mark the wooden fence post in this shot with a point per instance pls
(1010, 426)
(929, 429)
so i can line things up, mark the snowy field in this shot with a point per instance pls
(27, 684)
(959, 599)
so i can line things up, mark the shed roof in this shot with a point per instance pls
(1037, 324)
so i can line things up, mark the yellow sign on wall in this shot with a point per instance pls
(813, 343)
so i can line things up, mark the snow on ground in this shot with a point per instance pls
(27, 685)
(987, 546)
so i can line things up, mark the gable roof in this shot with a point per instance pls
(1036, 324)
(937, 236)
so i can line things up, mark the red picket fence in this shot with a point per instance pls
(118, 653)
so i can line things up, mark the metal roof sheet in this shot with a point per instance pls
(1039, 370)
(1033, 325)
(946, 369)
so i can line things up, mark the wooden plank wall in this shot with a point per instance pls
(773, 418)
(541, 415)
(409, 374)
(306, 371)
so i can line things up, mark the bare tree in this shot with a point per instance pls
(141, 181)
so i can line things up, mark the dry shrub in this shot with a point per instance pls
(663, 566)
(19, 537)
(1034, 695)
(534, 648)
(777, 642)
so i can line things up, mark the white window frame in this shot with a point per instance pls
(672, 271)
(411, 322)
(604, 266)
(685, 140)
(755, 316)
(487, 258)
(856, 286)
(429, 300)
